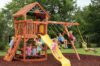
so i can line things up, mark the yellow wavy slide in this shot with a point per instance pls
(64, 61)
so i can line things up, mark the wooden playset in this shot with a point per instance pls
(29, 21)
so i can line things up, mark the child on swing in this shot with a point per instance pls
(71, 36)
(54, 48)
(62, 40)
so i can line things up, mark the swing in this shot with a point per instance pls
(55, 30)
(84, 44)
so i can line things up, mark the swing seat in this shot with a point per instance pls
(84, 45)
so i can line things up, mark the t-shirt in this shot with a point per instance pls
(71, 36)
(39, 48)
(29, 50)
(54, 46)
(34, 51)
(41, 41)
(61, 38)
(11, 43)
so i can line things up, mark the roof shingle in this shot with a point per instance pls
(27, 8)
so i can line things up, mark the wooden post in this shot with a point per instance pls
(46, 52)
(46, 25)
(15, 26)
(24, 53)
(46, 28)
(34, 27)
(72, 43)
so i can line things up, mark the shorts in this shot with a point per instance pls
(43, 45)
(11, 46)
(62, 42)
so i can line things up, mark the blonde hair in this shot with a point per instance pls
(71, 31)
(54, 39)
(12, 37)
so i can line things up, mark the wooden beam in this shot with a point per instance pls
(72, 43)
(63, 23)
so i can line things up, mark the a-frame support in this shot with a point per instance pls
(72, 43)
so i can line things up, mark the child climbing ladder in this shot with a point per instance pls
(11, 44)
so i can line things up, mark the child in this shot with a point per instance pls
(54, 48)
(62, 41)
(39, 49)
(38, 45)
(29, 50)
(43, 47)
(34, 50)
(71, 36)
(11, 44)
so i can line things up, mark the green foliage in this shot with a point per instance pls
(89, 19)
(6, 27)
(58, 10)
(94, 19)
(3, 45)
(93, 45)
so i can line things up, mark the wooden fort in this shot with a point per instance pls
(29, 21)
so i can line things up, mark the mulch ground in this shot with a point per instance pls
(86, 60)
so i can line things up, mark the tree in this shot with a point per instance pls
(89, 19)
(94, 19)
(59, 10)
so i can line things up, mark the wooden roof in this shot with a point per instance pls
(27, 8)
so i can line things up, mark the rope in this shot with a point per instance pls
(61, 28)
(56, 28)
(80, 33)
(52, 30)
(84, 44)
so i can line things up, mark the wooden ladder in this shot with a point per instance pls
(9, 56)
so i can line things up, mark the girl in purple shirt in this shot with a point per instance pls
(29, 50)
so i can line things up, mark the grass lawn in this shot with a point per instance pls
(2, 53)
(80, 51)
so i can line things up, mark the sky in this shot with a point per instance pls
(3, 3)
(80, 3)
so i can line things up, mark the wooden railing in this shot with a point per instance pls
(30, 27)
